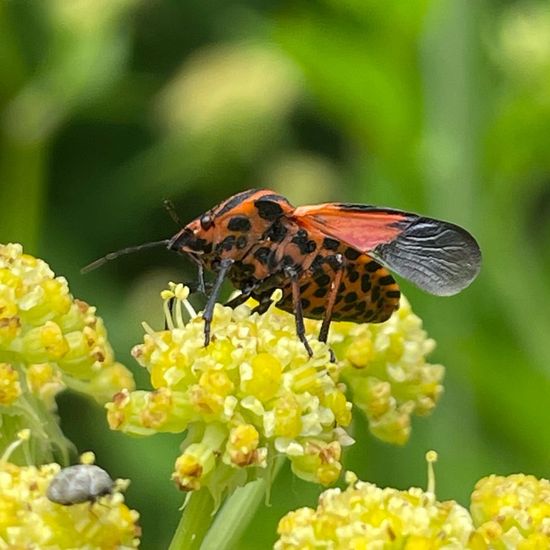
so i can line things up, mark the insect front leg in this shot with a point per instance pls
(225, 266)
(298, 311)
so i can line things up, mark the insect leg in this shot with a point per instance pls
(200, 275)
(208, 313)
(238, 300)
(333, 293)
(298, 312)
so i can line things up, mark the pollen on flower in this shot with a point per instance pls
(252, 392)
(52, 340)
(385, 367)
(10, 388)
(365, 516)
(511, 512)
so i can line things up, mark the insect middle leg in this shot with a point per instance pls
(225, 266)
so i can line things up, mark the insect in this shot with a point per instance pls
(79, 483)
(330, 260)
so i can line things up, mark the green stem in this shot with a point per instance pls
(237, 513)
(195, 521)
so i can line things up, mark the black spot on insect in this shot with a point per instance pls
(305, 303)
(322, 280)
(342, 287)
(247, 269)
(262, 254)
(365, 283)
(302, 241)
(321, 292)
(372, 266)
(239, 223)
(277, 232)
(393, 294)
(360, 306)
(227, 244)
(268, 209)
(339, 298)
(351, 253)
(242, 241)
(330, 244)
(380, 302)
(334, 261)
(319, 310)
(386, 280)
(353, 276)
(350, 297)
(349, 307)
(375, 293)
(317, 263)
(369, 314)
(287, 261)
(305, 286)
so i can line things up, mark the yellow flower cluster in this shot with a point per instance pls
(28, 519)
(48, 339)
(511, 512)
(386, 370)
(251, 394)
(366, 517)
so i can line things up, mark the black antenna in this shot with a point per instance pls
(171, 209)
(113, 255)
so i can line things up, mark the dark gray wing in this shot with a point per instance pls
(438, 257)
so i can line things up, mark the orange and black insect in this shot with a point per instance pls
(330, 260)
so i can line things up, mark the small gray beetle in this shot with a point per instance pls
(79, 483)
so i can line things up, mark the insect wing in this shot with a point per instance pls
(439, 257)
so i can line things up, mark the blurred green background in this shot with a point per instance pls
(107, 107)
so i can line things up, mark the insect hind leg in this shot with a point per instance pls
(298, 311)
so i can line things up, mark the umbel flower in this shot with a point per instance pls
(511, 512)
(28, 519)
(48, 341)
(366, 516)
(506, 513)
(385, 367)
(252, 394)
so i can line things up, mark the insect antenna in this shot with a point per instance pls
(171, 209)
(129, 250)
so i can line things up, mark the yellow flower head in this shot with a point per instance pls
(366, 517)
(251, 394)
(28, 519)
(48, 341)
(511, 512)
(49, 338)
(386, 370)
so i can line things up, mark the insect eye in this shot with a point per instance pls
(206, 221)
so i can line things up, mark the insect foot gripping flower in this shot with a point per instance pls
(29, 519)
(251, 394)
(386, 370)
(365, 516)
(511, 512)
(48, 340)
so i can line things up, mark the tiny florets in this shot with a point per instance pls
(251, 394)
(366, 516)
(511, 512)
